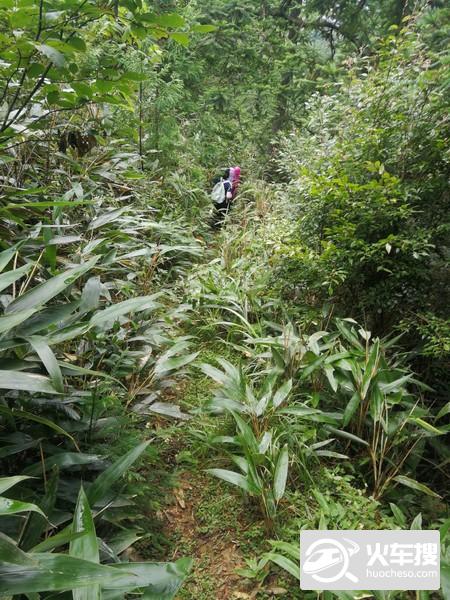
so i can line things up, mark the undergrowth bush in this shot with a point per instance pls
(368, 194)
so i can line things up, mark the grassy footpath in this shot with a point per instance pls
(194, 514)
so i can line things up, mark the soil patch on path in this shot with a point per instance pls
(207, 522)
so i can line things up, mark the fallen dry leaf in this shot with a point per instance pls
(276, 591)
(179, 495)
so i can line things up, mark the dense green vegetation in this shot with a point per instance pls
(178, 402)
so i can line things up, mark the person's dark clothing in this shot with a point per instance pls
(221, 210)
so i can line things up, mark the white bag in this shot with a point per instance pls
(218, 194)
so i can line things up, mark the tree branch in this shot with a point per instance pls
(40, 22)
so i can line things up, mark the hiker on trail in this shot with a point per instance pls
(222, 196)
(235, 178)
(224, 193)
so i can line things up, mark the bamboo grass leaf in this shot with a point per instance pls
(9, 552)
(8, 278)
(12, 507)
(281, 473)
(415, 485)
(102, 485)
(27, 382)
(351, 407)
(233, 478)
(85, 546)
(107, 316)
(45, 353)
(282, 393)
(44, 292)
(10, 321)
(9, 482)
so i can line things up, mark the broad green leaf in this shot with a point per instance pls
(6, 255)
(169, 410)
(62, 460)
(164, 365)
(331, 454)
(133, 76)
(10, 321)
(90, 296)
(55, 56)
(48, 204)
(124, 539)
(203, 28)
(370, 368)
(77, 43)
(181, 38)
(8, 449)
(427, 426)
(300, 411)
(44, 319)
(444, 529)
(12, 507)
(161, 580)
(314, 339)
(36, 523)
(61, 240)
(9, 552)
(282, 393)
(445, 410)
(104, 482)
(246, 434)
(233, 478)
(44, 292)
(416, 523)
(281, 473)
(394, 386)
(377, 402)
(216, 374)
(86, 546)
(74, 371)
(415, 485)
(109, 216)
(9, 482)
(112, 313)
(55, 541)
(45, 353)
(27, 416)
(311, 414)
(289, 548)
(348, 333)
(169, 20)
(28, 382)
(265, 442)
(321, 501)
(329, 373)
(351, 407)
(398, 514)
(8, 278)
(347, 435)
(285, 563)
(58, 572)
(445, 581)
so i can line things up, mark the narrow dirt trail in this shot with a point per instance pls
(205, 518)
(216, 554)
